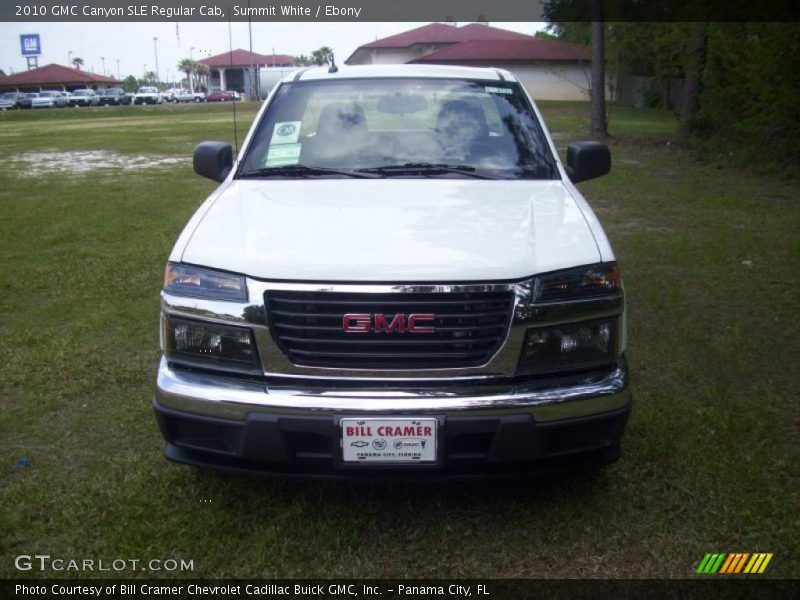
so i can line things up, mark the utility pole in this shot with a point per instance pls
(118, 77)
(155, 47)
(103, 59)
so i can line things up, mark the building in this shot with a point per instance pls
(55, 77)
(549, 69)
(243, 71)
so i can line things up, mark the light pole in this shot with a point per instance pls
(155, 47)
(190, 53)
(103, 59)
(118, 77)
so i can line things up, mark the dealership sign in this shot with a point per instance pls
(30, 44)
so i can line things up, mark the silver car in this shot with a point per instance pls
(50, 99)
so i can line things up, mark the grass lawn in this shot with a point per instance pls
(710, 258)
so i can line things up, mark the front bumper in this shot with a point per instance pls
(247, 425)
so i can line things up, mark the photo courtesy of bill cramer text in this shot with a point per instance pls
(251, 589)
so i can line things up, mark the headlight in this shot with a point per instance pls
(575, 284)
(210, 344)
(568, 347)
(185, 280)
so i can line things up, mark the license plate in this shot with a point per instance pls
(389, 440)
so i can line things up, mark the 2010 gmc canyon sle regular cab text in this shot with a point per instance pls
(396, 277)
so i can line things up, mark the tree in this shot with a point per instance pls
(130, 83)
(186, 65)
(302, 60)
(77, 62)
(322, 56)
(599, 125)
(692, 84)
(149, 77)
(202, 71)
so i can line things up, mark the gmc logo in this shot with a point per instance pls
(378, 323)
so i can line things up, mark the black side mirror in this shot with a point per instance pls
(587, 160)
(213, 160)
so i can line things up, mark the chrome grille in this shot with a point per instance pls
(469, 328)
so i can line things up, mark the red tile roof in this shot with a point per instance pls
(242, 58)
(439, 33)
(54, 74)
(530, 49)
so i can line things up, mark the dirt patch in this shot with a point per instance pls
(35, 164)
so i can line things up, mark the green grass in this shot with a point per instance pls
(710, 459)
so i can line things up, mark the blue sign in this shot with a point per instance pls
(30, 44)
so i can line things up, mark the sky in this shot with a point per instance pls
(132, 43)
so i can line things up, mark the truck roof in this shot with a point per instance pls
(375, 71)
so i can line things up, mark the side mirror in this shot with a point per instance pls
(587, 160)
(213, 160)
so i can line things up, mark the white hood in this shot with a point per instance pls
(390, 230)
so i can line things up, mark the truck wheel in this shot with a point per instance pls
(196, 99)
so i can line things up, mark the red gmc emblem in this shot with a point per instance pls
(378, 323)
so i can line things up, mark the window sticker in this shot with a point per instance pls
(285, 132)
(497, 90)
(283, 154)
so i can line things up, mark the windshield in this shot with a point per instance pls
(83, 93)
(49, 94)
(147, 90)
(9, 96)
(400, 128)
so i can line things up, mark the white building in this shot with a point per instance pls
(549, 69)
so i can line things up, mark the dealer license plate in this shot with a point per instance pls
(389, 440)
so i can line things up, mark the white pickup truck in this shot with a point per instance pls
(396, 277)
(148, 95)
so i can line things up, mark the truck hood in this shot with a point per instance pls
(391, 230)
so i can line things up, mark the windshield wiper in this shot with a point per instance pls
(427, 169)
(302, 171)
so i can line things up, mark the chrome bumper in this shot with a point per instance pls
(234, 398)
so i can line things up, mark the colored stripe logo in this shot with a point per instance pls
(734, 563)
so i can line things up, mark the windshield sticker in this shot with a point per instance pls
(283, 154)
(285, 132)
(497, 90)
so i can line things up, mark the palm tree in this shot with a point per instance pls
(77, 62)
(202, 71)
(150, 77)
(302, 60)
(322, 55)
(186, 65)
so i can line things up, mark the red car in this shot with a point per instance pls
(222, 96)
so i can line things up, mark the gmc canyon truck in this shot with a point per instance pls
(396, 277)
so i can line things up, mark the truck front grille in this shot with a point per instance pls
(469, 327)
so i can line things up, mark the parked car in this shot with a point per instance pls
(112, 96)
(148, 95)
(84, 97)
(187, 96)
(26, 101)
(396, 276)
(11, 100)
(50, 99)
(222, 96)
(170, 95)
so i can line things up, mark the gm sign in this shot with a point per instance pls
(30, 44)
